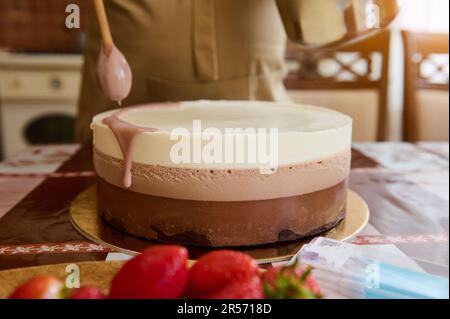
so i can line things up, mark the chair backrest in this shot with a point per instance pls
(351, 79)
(425, 107)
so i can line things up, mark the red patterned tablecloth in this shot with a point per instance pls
(405, 185)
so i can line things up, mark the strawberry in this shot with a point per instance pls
(218, 269)
(42, 287)
(88, 292)
(290, 282)
(250, 288)
(158, 272)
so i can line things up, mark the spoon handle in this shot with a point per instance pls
(105, 31)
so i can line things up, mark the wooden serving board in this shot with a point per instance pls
(96, 273)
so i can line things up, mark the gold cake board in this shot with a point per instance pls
(83, 215)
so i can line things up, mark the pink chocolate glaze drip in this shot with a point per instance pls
(126, 132)
(114, 74)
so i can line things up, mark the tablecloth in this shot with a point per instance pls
(405, 186)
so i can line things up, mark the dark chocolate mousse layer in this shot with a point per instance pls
(216, 223)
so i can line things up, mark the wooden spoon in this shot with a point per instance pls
(105, 31)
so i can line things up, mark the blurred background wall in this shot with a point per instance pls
(40, 63)
(39, 26)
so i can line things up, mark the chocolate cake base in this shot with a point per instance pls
(220, 224)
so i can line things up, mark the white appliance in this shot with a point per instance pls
(38, 98)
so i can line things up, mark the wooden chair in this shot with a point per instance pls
(426, 110)
(351, 79)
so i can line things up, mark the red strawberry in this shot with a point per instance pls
(158, 272)
(250, 288)
(290, 282)
(42, 287)
(88, 292)
(216, 270)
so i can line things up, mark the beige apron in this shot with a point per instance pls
(188, 50)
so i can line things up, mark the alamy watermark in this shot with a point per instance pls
(235, 145)
(372, 279)
(73, 278)
(372, 20)
(73, 17)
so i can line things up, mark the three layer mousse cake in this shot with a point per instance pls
(222, 173)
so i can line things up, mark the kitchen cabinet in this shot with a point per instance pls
(38, 98)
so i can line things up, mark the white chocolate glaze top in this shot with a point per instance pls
(305, 133)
